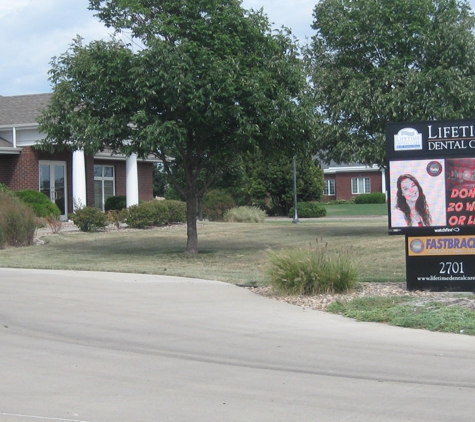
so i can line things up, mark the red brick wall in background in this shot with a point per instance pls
(145, 171)
(22, 172)
(7, 163)
(343, 183)
(89, 163)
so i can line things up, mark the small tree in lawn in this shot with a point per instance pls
(210, 83)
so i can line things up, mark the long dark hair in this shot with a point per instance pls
(421, 205)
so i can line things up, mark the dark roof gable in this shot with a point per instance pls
(22, 109)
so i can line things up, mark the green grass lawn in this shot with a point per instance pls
(402, 312)
(231, 252)
(345, 210)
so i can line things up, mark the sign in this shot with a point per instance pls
(440, 263)
(431, 200)
(441, 245)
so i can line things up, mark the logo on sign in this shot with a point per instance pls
(407, 139)
(417, 246)
(434, 168)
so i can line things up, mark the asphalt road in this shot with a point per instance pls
(87, 346)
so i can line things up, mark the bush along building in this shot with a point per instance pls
(66, 177)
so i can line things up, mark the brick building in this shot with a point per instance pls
(65, 177)
(344, 181)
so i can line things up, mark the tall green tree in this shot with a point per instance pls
(210, 82)
(159, 181)
(273, 177)
(378, 61)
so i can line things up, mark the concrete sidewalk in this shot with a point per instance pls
(88, 346)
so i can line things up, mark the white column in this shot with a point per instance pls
(79, 179)
(383, 180)
(132, 181)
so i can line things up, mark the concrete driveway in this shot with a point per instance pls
(88, 346)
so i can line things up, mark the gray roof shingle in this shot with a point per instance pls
(22, 109)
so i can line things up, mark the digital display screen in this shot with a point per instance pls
(433, 193)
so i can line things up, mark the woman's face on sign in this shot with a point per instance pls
(409, 189)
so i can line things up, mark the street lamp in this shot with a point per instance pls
(296, 215)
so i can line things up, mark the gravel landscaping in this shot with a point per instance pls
(320, 302)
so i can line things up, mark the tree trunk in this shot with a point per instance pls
(191, 229)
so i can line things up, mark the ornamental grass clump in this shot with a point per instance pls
(245, 214)
(17, 221)
(310, 271)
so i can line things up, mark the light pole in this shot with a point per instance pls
(296, 215)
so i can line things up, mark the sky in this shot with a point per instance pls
(35, 31)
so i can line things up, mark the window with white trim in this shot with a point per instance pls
(104, 185)
(360, 185)
(329, 188)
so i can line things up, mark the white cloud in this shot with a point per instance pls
(37, 30)
(296, 14)
(12, 8)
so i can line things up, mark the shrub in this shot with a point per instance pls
(41, 222)
(309, 210)
(116, 217)
(2, 238)
(4, 188)
(116, 203)
(54, 223)
(147, 214)
(176, 209)
(245, 214)
(89, 219)
(371, 198)
(378, 198)
(215, 203)
(39, 202)
(155, 213)
(17, 221)
(139, 216)
(363, 198)
(337, 202)
(160, 212)
(310, 272)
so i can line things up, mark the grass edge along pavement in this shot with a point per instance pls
(390, 303)
(219, 234)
